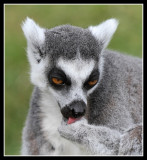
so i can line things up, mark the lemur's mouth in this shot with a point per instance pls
(72, 120)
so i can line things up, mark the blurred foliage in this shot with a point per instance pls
(128, 39)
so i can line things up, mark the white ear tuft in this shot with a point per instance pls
(33, 32)
(35, 36)
(104, 31)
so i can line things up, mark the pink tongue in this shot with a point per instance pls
(72, 120)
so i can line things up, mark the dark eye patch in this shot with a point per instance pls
(57, 73)
(94, 76)
(60, 75)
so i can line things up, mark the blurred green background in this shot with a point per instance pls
(128, 39)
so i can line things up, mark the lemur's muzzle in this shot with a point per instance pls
(74, 110)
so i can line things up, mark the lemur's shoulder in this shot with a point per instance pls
(120, 58)
(119, 92)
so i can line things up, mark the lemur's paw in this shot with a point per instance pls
(74, 131)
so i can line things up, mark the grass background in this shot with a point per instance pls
(128, 39)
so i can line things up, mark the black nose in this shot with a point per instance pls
(75, 109)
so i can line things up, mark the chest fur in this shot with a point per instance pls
(51, 120)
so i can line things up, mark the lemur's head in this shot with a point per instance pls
(66, 61)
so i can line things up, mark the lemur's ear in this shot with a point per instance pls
(35, 39)
(104, 31)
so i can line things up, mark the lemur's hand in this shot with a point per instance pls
(72, 131)
(103, 140)
(96, 139)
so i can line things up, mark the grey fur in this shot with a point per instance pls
(112, 124)
(66, 39)
(33, 139)
(113, 106)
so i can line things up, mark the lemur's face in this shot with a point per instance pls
(66, 61)
(71, 81)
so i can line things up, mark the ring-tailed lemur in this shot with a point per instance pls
(86, 100)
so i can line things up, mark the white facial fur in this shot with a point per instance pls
(78, 70)
(35, 37)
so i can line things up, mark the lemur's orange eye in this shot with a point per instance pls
(57, 81)
(92, 83)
